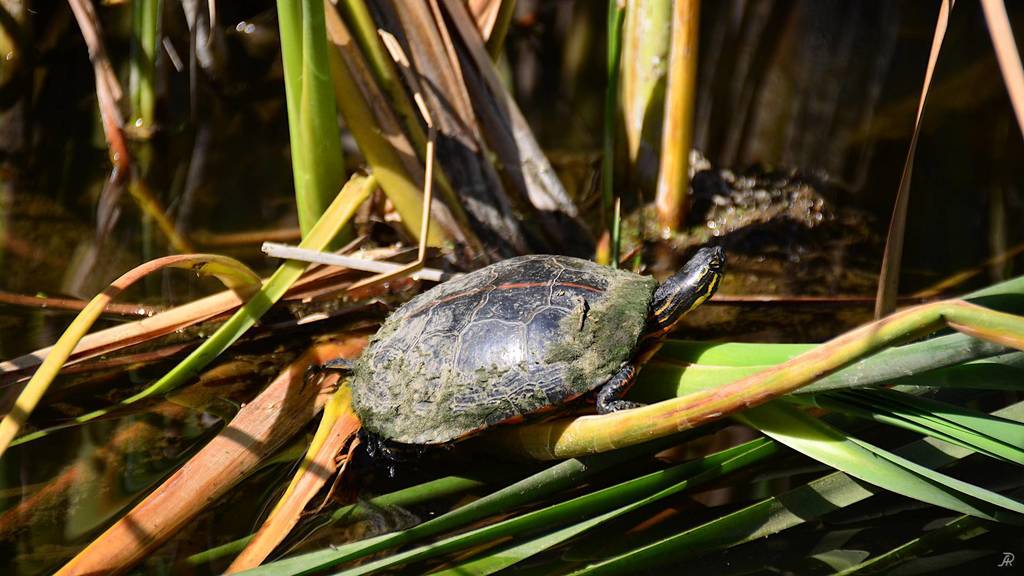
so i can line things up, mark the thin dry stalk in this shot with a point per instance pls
(522, 163)
(108, 90)
(889, 277)
(124, 335)
(1007, 54)
(438, 70)
(380, 138)
(14, 299)
(233, 274)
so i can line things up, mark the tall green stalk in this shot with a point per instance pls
(646, 39)
(142, 76)
(317, 163)
(611, 115)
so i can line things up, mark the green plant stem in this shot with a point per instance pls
(802, 504)
(317, 163)
(596, 507)
(611, 121)
(646, 38)
(146, 28)
(432, 490)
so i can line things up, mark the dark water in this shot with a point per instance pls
(826, 87)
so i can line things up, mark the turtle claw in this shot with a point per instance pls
(616, 405)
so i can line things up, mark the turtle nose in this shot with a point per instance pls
(714, 256)
(717, 258)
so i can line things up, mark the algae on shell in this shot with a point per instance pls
(413, 385)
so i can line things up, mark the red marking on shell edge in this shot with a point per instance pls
(520, 418)
(509, 286)
(514, 285)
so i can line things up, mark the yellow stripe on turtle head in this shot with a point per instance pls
(668, 312)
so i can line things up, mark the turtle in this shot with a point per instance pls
(513, 339)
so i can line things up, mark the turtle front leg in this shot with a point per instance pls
(609, 396)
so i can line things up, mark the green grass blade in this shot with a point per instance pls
(897, 362)
(1005, 295)
(770, 516)
(730, 353)
(1002, 372)
(977, 501)
(840, 559)
(580, 507)
(812, 437)
(984, 433)
(232, 273)
(959, 530)
(432, 490)
(616, 14)
(317, 162)
(687, 367)
(756, 521)
(934, 353)
(561, 476)
(660, 380)
(728, 461)
(900, 361)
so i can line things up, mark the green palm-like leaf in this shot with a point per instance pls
(990, 435)
(795, 507)
(588, 510)
(830, 446)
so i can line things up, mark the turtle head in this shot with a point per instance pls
(687, 289)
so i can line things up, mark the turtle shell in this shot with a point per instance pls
(505, 341)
